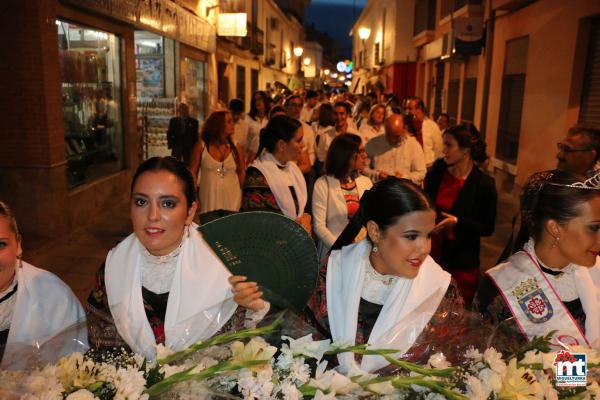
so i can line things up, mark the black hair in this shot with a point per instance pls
(546, 196)
(326, 117)
(386, 202)
(173, 166)
(236, 106)
(468, 137)
(445, 116)
(311, 94)
(279, 128)
(592, 134)
(266, 100)
(340, 152)
(276, 109)
(343, 104)
(409, 123)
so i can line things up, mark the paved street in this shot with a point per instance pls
(76, 257)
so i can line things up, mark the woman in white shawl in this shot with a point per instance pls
(386, 290)
(163, 284)
(273, 181)
(551, 285)
(35, 305)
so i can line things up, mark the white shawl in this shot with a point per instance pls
(405, 313)
(267, 165)
(200, 299)
(45, 310)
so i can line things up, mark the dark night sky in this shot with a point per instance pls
(336, 17)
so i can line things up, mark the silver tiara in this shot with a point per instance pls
(592, 183)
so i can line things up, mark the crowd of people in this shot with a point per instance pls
(395, 202)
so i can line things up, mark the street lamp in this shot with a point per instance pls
(298, 51)
(307, 61)
(327, 71)
(363, 34)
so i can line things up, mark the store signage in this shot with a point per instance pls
(161, 16)
(232, 24)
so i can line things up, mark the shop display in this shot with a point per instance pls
(155, 114)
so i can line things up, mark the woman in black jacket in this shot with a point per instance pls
(465, 199)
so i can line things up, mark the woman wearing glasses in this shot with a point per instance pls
(337, 194)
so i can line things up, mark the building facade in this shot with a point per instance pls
(384, 57)
(534, 77)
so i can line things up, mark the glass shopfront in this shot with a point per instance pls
(90, 75)
(193, 90)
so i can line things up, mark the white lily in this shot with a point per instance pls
(308, 347)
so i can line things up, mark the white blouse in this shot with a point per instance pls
(158, 271)
(7, 306)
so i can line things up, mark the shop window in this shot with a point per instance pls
(240, 83)
(193, 87)
(589, 113)
(155, 68)
(90, 77)
(511, 100)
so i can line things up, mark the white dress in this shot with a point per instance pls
(219, 185)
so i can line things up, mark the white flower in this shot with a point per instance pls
(475, 390)
(332, 381)
(256, 349)
(435, 396)
(438, 361)
(519, 383)
(259, 386)
(491, 381)
(285, 359)
(494, 360)
(308, 347)
(130, 384)
(163, 352)
(547, 387)
(358, 374)
(299, 372)
(382, 388)
(533, 357)
(473, 354)
(289, 391)
(81, 394)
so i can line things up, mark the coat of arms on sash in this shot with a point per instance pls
(533, 301)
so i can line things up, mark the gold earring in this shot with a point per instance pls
(556, 239)
(375, 249)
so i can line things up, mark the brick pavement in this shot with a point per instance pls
(76, 257)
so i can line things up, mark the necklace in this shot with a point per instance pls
(222, 170)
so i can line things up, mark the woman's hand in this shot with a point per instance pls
(306, 222)
(246, 294)
(448, 221)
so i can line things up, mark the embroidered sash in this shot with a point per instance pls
(534, 302)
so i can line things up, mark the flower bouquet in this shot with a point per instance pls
(244, 365)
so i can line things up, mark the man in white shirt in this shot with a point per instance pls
(241, 124)
(427, 130)
(343, 119)
(396, 153)
(308, 113)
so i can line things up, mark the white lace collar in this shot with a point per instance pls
(158, 271)
(564, 283)
(376, 286)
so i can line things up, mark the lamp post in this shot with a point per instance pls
(298, 53)
(363, 34)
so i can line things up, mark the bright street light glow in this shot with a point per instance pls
(307, 61)
(364, 33)
(327, 71)
(298, 51)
